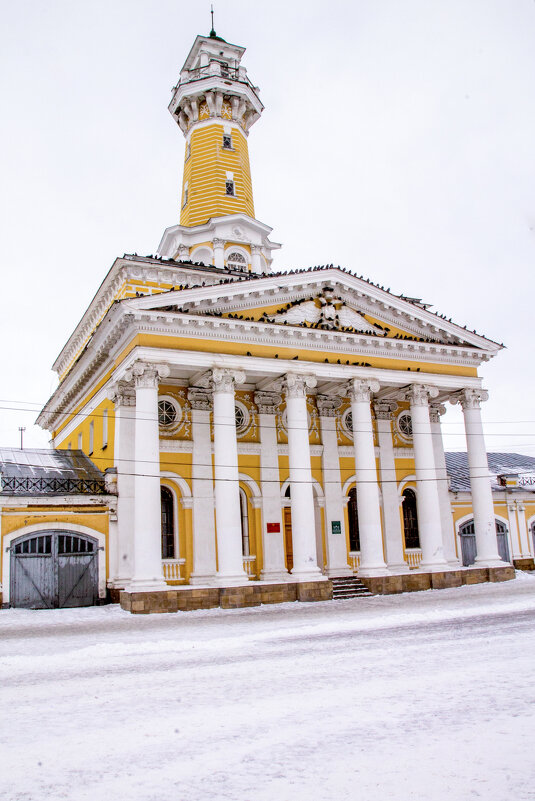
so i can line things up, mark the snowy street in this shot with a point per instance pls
(421, 696)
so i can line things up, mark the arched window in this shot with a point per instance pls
(353, 516)
(410, 519)
(236, 261)
(244, 523)
(168, 524)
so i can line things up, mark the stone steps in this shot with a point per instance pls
(349, 587)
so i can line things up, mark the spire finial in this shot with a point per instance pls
(213, 34)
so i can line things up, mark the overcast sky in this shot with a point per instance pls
(397, 141)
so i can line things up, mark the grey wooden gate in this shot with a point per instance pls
(54, 569)
(468, 542)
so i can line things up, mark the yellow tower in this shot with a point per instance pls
(215, 104)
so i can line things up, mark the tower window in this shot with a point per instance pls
(188, 149)
(227, 141)
(185, 195)
(236, 261)
(229, 188)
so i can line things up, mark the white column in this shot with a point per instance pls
(391, 501)
(524, 534)
(256, 259)
(147, 573)
(204, 556)
(301, 492)
(482, 504)
(446, 517)
(372, 561)
(124, 458)
(335, 535)
(227, 483)
(427, 499)
(273, 566)
(219, 252)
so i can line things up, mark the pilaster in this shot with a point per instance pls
(204, 551)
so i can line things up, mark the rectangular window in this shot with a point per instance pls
(229, 188)
(91, 436)
(185, 195)
(188, 149)
(69, 446)
(104, 429)
(227, 141)
(80, 441)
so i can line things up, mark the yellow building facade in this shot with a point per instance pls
(275, 436)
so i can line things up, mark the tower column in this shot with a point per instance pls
(335, 533)
(482, 504)
(147, 572)
(219, 253)
(301, 492)
(204, 557)
(372, 561)
(125, 402)
(427, 497)
(446, 519)
(226, 475)
(273, 567)
(387, 466)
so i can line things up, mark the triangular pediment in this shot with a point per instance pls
(326, 299)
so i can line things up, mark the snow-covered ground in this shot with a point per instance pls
(420, 696)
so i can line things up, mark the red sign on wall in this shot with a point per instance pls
(273, 528)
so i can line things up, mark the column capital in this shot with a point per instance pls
(256, 248)
(146, 374)
(420, 394)
(328, 405)
(267, 402)
(200, 398)
(470, 398)
(436, 410)
(223, 380)
(362, 389)
(384, 410)
(122, 394)
(183, 251)
(295, 385)
(218, 243)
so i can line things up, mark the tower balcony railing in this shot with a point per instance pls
(216, 68)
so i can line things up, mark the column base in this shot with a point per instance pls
(234, 580)
(202, 579)
(490, 562)
(335, 572)
(398, 569)
(373, 571)
(146, 585)
(433, 567)
(307, 575)
(274, 575)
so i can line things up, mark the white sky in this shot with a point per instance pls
(397, 141)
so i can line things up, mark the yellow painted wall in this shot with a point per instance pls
(205, 174)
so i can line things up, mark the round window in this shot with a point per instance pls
(347, 422)
(404, 423)
(168, 413)
(242, 418)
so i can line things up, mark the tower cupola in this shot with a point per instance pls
(215, 105)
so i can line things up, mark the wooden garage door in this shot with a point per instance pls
(51, 569)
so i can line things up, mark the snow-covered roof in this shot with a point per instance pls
(500, 464)
(38, 471)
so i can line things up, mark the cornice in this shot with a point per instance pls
(250, 332)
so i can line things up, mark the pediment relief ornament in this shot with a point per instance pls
(326, 311)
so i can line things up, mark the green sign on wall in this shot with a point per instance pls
(336, 526)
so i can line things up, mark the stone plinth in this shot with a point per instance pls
(189, 598)
(524, 564)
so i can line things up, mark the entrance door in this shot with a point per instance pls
(468, 542)
(288, 545)
(54, 569)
